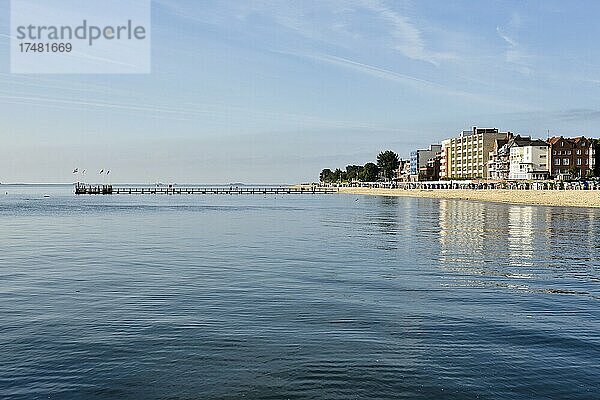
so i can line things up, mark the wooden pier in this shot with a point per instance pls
(82, 189)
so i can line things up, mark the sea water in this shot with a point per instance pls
(295, 297)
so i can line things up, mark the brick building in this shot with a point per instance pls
(571, 157)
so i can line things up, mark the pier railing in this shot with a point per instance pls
(82, 189)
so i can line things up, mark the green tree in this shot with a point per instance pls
(326, 175)
(388, 162)
(338, 175)
(369, 173)
(353, 171)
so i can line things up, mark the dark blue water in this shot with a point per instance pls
(295, 297)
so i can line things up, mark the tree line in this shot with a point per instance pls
(387, 164)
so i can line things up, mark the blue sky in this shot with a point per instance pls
(274, 91)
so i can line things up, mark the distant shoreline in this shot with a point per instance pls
(558, 198)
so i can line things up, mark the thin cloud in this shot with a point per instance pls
(339, 23)
(408, 38)
(386, 74)
(371, 70)
(579, 114)
(506, 38)
(62, 85)
(42, 101)
(191, 112)
(514, 53)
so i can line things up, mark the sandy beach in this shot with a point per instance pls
(561, 198)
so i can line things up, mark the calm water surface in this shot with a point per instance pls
(295, 297)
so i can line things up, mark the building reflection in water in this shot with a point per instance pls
(403, 224)
(534, 248)
(388, 215)
(461, 234)
(570, 237)
(484, 235)
(404, 220)
(520, 235)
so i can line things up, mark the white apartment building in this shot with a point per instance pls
(528, 160)
(466, 156)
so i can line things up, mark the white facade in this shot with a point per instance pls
(528, 162)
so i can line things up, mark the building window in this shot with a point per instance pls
(557, 161)
(579, 161)
(566, 161)
(578, 152)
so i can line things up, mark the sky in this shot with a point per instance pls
(275, 91)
